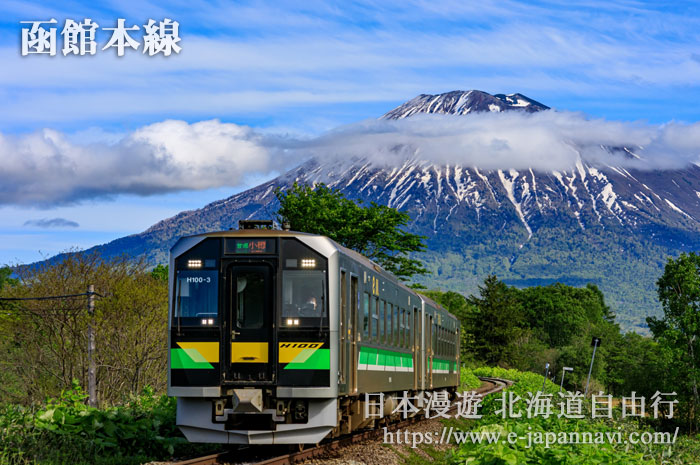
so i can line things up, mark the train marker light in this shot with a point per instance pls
(308, 263)
(194, 263)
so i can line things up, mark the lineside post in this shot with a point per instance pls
(92, 378)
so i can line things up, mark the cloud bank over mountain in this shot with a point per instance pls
(48, 168)
(546, 140)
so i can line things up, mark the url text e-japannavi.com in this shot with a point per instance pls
(450, 435)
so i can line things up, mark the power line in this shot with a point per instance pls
(13, 299)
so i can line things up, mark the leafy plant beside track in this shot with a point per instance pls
(685, 451)
(67, 431)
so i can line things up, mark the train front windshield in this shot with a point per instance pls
(197, 296)
(304, 297)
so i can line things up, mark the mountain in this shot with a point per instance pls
(606, 225)
(461, 103)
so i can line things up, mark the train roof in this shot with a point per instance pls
(352, 253)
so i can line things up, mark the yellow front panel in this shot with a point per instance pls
(289, 351)
(208, 350)
(249, 352)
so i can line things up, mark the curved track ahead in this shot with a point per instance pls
(248, 454)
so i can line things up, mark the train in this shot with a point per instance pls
(280, 337)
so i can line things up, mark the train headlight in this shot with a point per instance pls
(194, 263)
(292, 321)
(308, 263)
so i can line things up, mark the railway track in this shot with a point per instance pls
(247, 455)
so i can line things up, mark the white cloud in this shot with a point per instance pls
(47, 168)
(546, 140)
(242, 58)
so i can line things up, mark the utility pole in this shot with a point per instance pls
(594, 342)
(92, 378)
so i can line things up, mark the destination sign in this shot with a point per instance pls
(250, 246)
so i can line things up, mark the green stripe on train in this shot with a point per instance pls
(188, 359)
(320, 359)
(382, 357)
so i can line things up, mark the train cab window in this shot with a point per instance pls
(197, 295)
(304, 296)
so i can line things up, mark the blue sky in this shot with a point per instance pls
(296, 70)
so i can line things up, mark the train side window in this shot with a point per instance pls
(395, 326)
(407, 322)
(445, 350)
(375, 322)
(407, 334)
(382, 320)
(366, 320)
(443, 344)
(390, 324)
(402, 327)
(437, 340)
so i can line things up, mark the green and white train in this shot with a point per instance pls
(276, 336)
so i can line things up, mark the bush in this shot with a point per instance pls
(66, 430)
(483, 453)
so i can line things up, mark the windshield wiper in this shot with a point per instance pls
(178, 309)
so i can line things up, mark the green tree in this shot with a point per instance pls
(160, 272)
(636, 363)
(454, 302)
(374, 231)
(44, 342)
(493, 327)
(5, 277)
(678, 330)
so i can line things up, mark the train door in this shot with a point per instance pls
(353, 329)
(251, 297)
(429, 350)
(342, 331)
(416, 348)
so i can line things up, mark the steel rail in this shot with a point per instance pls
(495, 385)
